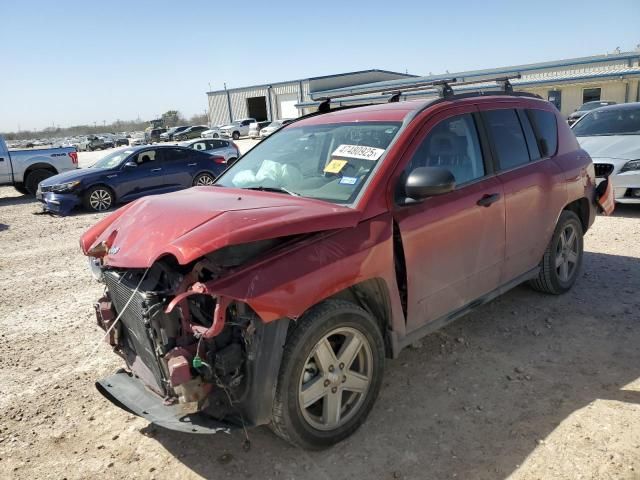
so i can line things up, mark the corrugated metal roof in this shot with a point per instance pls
(273, 84)
(523, 69)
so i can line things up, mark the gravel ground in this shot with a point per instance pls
(527, 387)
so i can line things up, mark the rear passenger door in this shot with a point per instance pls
(532, 182)
(181, 166)
(453, 243)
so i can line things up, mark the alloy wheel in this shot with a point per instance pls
(567, 255)
(204, 180)
(100, 200)
(335, 379)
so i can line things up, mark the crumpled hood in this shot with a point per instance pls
(622, 147)
(193, 222)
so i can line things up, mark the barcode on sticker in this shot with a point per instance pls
(358, 151)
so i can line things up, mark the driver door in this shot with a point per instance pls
(145, 178)
(454, 243)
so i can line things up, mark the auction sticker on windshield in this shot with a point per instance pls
(334, 166)
(358, 151)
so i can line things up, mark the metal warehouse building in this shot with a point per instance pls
(278, 100)
(566, 83)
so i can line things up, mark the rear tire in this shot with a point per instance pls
(333, 362)
(98, 199)
(562, 259)
(203, 180)
(34, 178)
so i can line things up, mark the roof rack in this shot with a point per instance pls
(442, 87)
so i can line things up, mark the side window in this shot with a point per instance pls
(508, 138)
(546, 127)
(145, 158)
(177, 154)
(199, 146)
(452, 144)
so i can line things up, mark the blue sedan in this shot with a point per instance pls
(126, 175)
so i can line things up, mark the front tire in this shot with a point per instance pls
(330, 375)
(236, 136)
(34, 178)
(98, 199)
(562, 259)
(21, 188)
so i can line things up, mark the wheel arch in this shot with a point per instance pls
(39, 166)
(373, 295)
(581, 208)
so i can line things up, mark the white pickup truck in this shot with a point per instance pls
(25, 169)
(237, 129)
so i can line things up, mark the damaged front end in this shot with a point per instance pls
(191, 354)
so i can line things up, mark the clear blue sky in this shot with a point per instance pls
(71, 62)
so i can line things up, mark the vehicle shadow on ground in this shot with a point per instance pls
(3, 227)
(476, 399)
(17, 200)
(627, 211)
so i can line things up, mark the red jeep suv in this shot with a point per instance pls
(275, 295)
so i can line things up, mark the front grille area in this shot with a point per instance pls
(135, 334)
(603, 169)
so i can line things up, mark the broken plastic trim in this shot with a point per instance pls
(127, 392)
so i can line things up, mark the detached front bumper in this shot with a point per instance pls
(58, 203)
(127, 392)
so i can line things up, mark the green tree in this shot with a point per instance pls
(171, 118)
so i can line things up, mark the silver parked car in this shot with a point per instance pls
(218, 147)
(273, 127)
(611, 136)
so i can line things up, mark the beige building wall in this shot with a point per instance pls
(572, 94)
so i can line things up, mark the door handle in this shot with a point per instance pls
(156, 169)
(488, 199)
(191, 164)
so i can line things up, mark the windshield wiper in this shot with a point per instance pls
(273, 189)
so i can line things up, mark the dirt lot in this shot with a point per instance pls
(528, 387)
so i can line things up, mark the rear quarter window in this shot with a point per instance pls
(546, 128)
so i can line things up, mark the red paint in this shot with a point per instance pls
(455, 250)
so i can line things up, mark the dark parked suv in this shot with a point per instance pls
(275, 296)
(153, 135)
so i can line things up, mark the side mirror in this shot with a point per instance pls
(424, 182)
(130, 165)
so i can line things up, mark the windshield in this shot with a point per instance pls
(275, 124)
(327, 162)
(112, 160)
(617, 121)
